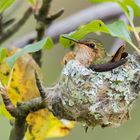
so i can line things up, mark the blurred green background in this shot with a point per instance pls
(52, 68)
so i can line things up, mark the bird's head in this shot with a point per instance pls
(88, 51)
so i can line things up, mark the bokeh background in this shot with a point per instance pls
(52, 69)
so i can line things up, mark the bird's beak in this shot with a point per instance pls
(72, 39)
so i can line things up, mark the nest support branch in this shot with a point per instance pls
(20, 113)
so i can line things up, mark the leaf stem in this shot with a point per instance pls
(136, 48)
(135, 33)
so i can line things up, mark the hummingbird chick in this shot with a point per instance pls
(86, 52)
(92, 54)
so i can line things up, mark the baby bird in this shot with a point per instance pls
(86, 52)
(92, 54)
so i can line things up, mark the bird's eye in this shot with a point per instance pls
(91, 45)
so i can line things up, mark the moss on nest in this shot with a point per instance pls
(99, 98)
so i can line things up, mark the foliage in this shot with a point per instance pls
(17, 73)
(22, 87)
(32, 2)
(116, 29)
(4, 4)
(3, 53)
(124, 3)
(43, 44)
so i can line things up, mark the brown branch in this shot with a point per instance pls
(23, 109)
(8, 104)
(104, 11)
(40, 87)
(46, 5)
(20, 113)
(40, 26)
(8, 22)
(43, 21)
(8, 33)
(55, 16)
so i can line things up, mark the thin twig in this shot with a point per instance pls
(43, 21)
(41, 17)
(40, 87)
(40, 26)
(55, 16)
(8, 22)
(46, 5)
(135, 33)
(8, 103)
(8, 33)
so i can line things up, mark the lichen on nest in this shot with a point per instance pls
(99, 98)
(95, 98)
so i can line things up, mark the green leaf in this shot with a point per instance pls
(48, 44)
(4, 4)
(3, 54)
(82, 31)
(45, 43)
(130, 12)
(135, 4)
(32, 2)
(117, 29)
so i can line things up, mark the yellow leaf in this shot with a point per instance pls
(4, 112)
(41, 124)
(64, 128)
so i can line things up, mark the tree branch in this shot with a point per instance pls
(55, 16)
(41, 25)
(8, 22)
(20, 113)
(40, 87)
(8, 33)
(40, 17)
(8, 104)
(104, 11)
(43, 21)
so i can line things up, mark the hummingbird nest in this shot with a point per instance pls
(96, 98)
